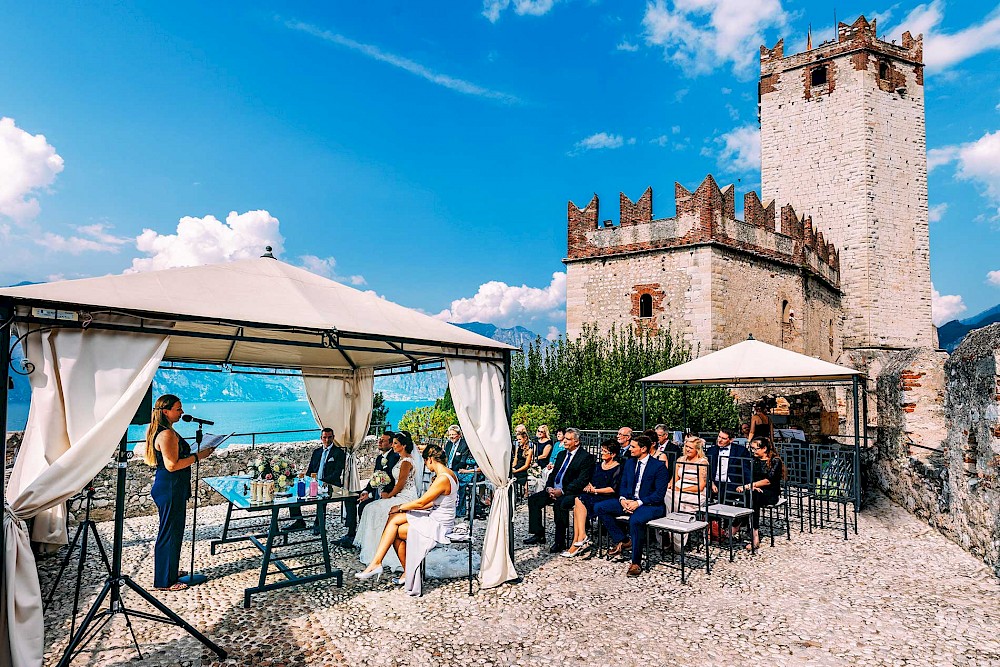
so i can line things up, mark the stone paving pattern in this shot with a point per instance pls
(898, 593)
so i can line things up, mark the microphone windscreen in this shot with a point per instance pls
(187, 418)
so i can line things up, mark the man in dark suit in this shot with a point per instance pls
(460, 459)
(328, 463)
(729, 465)
(570, 473)
(668, 447)
(385, 461)
(643, 487)
(624, 438)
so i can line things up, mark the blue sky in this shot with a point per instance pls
(426, 151)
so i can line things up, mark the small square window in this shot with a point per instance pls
(817, 76)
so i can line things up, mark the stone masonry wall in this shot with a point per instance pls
(938, 439)
(852, 152)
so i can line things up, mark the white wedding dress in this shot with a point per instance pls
(376, 514)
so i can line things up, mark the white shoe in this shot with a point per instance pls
(368, 574)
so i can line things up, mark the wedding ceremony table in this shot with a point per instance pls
(236, 491)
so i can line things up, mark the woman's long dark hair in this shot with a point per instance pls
(404, 439)
(772, 453)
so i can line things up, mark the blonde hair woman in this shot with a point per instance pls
(690, 479)
(173, 459)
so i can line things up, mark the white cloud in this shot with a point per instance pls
(493, 8)
(553, 333)
(207, 241)
(740, 149)
(938, 157)
(506, 305)
(602, 140)
(993, 278)
(405, 64)
(27, 164)
(89, 238)
(626, 45)
(977, 161)
(327, 267)
(944, 50)
(701, 35)
(935, 213)
(945, 307)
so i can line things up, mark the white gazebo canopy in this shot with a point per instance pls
(752, 362)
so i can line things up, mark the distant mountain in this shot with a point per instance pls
(952, 333)
(517, 336)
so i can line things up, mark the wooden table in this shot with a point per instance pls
(236, 491)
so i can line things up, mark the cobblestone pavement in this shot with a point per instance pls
(896, 594)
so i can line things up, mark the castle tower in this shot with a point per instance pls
(842, 137)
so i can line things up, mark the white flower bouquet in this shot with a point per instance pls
(379, 479)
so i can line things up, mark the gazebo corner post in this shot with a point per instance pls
(643, 385)
(510, 413)
(684, 409)
(6, 322)
(857, 443)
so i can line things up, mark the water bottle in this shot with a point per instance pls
(300, 488)
(313, 487)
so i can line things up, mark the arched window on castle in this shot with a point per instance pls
(786, 312)
(646, 305)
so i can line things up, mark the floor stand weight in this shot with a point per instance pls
(118, 584)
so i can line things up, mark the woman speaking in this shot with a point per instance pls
(173, 459)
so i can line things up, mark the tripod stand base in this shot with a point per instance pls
(193, 579)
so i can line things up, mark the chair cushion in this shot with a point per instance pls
(728, 511)
(676, 527)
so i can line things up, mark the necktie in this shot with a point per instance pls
(562, 470)
(638, 479)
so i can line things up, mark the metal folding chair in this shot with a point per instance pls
(687, 517)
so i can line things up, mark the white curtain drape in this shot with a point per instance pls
(477, 390)
(343, 402)
(85, 388)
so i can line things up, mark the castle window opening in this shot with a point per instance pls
(646, 305)
(786, 312)
(818, 76)
(883, 70)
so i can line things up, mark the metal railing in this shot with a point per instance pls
(239, 438)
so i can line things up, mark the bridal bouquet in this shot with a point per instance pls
(379, 479)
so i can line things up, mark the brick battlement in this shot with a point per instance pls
(859, 39)
(705, 216)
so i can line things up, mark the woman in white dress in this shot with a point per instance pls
(690, 479)
(408, 473)
(417, 526)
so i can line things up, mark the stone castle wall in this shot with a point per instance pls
(852, 152)
(711, 277)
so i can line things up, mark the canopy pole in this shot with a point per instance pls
(643, 385)
(684, 410)
(857, 445)
(6, 322)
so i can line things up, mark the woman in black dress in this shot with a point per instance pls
(173, 459)
(603, 485)
(768, 471)
(543, 446)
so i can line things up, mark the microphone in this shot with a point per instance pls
(204, 422)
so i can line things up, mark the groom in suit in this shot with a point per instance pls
(571, 471)
(385, 461)
(643, 487)
(329, 464)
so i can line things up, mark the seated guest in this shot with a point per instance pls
(668, 447)
(689, 481)
(463, 463)
(328, 464)
(768, 471)
(543, 445)
(729, 465)
(385, 461)
(415, 527)
(624, 439)
(603, 485)
(572, 470)
(521, 461)
(641, 494)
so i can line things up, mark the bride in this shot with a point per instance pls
(409, 474)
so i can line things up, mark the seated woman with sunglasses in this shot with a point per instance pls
(768, 471)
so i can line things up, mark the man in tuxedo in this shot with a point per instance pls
(624, 439)
(729, 465)
(570, 473)
(329, 464)
(641, 496)
(385, 461)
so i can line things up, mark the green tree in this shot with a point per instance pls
(593, 382)
(427, 422)
(380, 411)
(534, 416)
(445, 402)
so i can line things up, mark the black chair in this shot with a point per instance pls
(834, 486)
(460, 538)
(730, 507)
(687, 515)
(798, 487)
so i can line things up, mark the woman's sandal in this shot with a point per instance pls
(176, 586)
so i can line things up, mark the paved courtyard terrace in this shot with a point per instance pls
(898, 593)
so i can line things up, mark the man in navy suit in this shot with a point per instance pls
(329, 464)
(641, 496)
(729, 465)
(571, 472)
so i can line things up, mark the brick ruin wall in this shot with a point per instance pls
(938, 439)
(852, 152)
(711, 277)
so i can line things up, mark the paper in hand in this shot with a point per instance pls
(211, 441)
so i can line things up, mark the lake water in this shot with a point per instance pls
(241, 417)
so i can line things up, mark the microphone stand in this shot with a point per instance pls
(192, 578)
